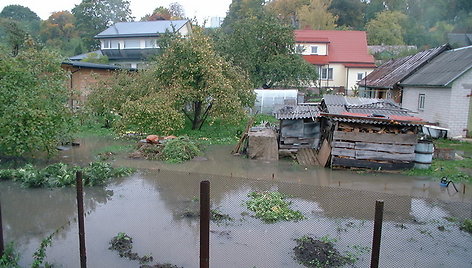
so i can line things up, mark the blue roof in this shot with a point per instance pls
(141, 28)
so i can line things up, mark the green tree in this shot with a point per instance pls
(59, 32)
(241, 9)
(265, 48)
(93, 57)
(316, 16)
(350, 13)
(14, 36)
(188, 81)
(94, 16)
(386, 29)
(28, 20)
(174, 12)
(33, 98)
(287, 10)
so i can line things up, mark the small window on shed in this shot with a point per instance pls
(421, 100)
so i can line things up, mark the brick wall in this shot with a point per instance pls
(449, 107)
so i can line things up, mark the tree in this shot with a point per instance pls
(60, 25)
(241, 9)
(174, 12)
(15, 36)
(386, 29)
(188, 81)
(287, 10)
(316, 16)
(28, 20)
(350, 13)
(265, 48)
(94, 16)
(33, 98)
(93, 57)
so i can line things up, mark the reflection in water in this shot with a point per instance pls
(148, 206)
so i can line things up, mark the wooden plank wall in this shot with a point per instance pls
(373, 150)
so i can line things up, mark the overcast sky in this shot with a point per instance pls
(202, 9)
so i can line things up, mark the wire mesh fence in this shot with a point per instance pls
(304, 226)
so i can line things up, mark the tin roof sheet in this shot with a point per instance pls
(141, 28)
(443, 69)
(298, 112)
(397, 70)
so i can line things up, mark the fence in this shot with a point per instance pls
(160, 210)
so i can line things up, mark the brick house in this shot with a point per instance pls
(342, 57)
(441, 91)
(82, 75)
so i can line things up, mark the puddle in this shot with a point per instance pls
(150, 207)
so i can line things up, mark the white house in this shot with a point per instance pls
(441, 91)
(342, 57)
(129, 44)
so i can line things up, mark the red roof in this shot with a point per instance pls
(316, 59)
(343, 47)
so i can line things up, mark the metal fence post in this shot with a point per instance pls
(1, 233)
(80, 219)
(204, 224)
(379, 208)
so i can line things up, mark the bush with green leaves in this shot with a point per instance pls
(33, 98)
(272, 207)
(62, 175)
(180, 149)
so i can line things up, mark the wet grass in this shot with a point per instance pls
(455, 170)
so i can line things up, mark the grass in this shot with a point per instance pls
(117, 148)
(452, 169)
(220, 132)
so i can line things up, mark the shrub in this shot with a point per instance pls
(10, 257)
(180, 149)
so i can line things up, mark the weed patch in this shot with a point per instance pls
(466, 225)
(272, 207)
(180, 149)
(10, 257)
(62, 175)
(311, 252)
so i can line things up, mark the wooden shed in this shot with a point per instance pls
(299, 127)
(369, 133)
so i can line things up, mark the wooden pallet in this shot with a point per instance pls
(307, 157)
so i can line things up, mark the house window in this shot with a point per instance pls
(314, 49)
(132, 43)
(360, 76)
(327, 73)
(115, 44)
(107, 44)
(421, 99)
(150, 43)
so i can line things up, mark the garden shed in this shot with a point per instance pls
(299, 127)
(369, 133)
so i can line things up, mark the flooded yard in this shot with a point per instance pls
(158, 207)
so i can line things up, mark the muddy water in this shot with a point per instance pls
(151, 206)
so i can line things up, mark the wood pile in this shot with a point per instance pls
(370, 146)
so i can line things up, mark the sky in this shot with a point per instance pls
(202, 9)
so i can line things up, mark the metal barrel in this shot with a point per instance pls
(424, 154)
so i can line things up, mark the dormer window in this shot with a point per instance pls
(314, 49)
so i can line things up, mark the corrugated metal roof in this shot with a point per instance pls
(344, 46)
(396, 70)
(443, 69)
(141, 28)
(372, 121)
(355, 107)
(298, 112)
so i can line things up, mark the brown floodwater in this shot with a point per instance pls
(152, 206)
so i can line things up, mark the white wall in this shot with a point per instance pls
(447, 106)
(306, 47)
(352, 77)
